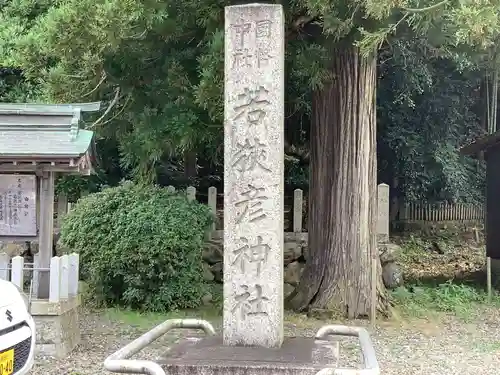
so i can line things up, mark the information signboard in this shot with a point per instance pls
(18, 205)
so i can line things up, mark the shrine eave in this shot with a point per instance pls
(47, 109)
(76, 160)
(45, 137)
(69, 164)
(21, 143)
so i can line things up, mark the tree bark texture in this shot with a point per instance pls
(342, 210)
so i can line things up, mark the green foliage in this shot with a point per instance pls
(14, 87)
(140, 246)
(459, 299)
(447, 282)
(427, 110)
(158, 68)
(139, 57)
(73, 186)
(296, 175)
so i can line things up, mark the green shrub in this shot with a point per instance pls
(140, 247)
(459, 299)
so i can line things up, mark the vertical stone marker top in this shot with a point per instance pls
(383, 213)
(253, 175)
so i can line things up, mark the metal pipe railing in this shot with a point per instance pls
(119, 361)
(367, 349)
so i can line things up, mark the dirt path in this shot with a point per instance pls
(449, 347)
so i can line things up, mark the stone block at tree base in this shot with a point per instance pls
(57, 326)
(208, 356)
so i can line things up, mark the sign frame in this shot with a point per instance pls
(18, 206)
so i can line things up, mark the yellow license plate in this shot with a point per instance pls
(7, 362)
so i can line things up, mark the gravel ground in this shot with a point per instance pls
(448, 347)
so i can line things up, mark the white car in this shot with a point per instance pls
(17, 331)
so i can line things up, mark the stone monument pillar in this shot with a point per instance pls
(253, 227)
(253, 175)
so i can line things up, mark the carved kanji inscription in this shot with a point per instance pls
(250, 204)
(243, 58)
(250, 155)
(241, 33)
(263, 57)
(251, 253)
(250, 301)
(252, 106)
(263, 29)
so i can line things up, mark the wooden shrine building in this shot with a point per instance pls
(489, 147)
(37, 142)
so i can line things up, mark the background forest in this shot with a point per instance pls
(160, 82)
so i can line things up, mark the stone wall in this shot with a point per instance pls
(295, 252)
(295, 249)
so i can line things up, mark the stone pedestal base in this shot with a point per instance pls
(297, 356)
(57, 326)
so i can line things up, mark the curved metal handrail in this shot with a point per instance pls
(367, 349)
(118, 362)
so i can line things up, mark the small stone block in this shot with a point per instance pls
(57, 327)
(208, 356)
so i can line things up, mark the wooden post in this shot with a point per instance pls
(55, 278)
(74, 264)
(17, 276)
(62, 208)
(212, 203)
(488, 277)
(191, 193)
(36, 273)
(476, 234)
(64, 277)
(298, 199)
(383, 213)
(46, 230)
(374, 292)
(4, 266)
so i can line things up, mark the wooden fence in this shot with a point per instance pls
(214, 201)
(63, 271)
(295, 209)
(420, 211)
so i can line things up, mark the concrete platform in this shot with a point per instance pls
(207, 356)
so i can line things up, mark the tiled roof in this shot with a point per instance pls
(44, 143)
(43, 130)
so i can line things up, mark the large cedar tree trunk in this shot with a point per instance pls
(342, 191)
